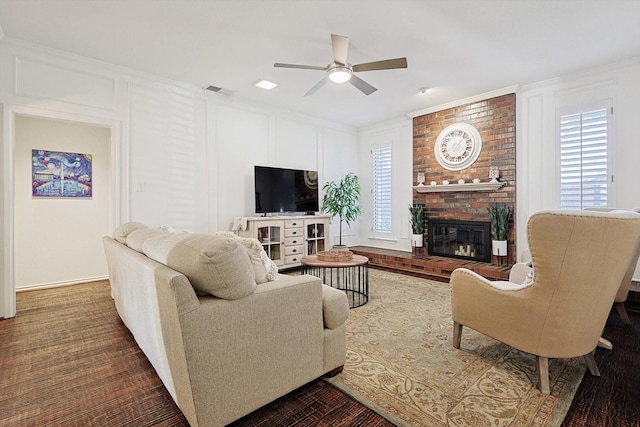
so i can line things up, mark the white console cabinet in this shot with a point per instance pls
(286, 239)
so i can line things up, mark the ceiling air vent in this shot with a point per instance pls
(214, 88)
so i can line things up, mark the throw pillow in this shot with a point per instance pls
(217, 265)
(121, 233)
(266, 270)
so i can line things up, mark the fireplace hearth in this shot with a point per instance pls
(460, 239)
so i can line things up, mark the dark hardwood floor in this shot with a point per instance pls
(66, 359)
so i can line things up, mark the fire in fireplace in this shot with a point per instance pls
(460, 239)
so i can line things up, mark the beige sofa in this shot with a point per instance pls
(221, 357)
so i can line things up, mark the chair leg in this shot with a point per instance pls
(591, 363)
(623, 313)
(543, 374)
(457, 334)
(606, 344)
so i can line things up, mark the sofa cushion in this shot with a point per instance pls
(335, 307)
(121, 233)
(217, 265)
(136, 238)
(265, 269)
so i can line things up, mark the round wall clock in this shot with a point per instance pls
(458, 146)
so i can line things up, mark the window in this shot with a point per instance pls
(382, 190)
(583, 159)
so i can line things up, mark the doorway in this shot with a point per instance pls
(54, 241)
(58, 238)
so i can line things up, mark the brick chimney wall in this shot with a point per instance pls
(495, 119)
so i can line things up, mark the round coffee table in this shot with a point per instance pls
(351, 276)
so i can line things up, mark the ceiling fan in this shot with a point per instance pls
(340, 71)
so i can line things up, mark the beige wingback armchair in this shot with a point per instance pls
(579, 261)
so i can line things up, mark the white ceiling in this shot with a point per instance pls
(458, 48)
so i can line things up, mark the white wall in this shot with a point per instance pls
(181, 156)
(184, 157)
(398, 134)
(340, 156)
(59, 240)
(167, 149)
(537, 149)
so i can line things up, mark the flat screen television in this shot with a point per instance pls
(285, 190)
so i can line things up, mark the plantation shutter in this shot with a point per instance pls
(382, 190)
(583, 160)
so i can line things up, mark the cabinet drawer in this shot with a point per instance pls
(293, 232)
(292, 223)
(293, 250)
(292, 241)
(292, 259)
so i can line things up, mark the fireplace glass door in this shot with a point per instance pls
(460, 239)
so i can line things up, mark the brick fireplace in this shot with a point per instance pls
(495, 120)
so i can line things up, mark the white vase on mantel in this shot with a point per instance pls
(417, 240)
(499, 247)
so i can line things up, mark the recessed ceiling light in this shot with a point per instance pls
(425, 89)
(266, 84)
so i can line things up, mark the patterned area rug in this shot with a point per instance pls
(401, 363)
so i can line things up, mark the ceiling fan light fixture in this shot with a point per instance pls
(339, 73)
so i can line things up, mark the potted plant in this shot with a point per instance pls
(416, 219)
(341, 200)
(499, 215)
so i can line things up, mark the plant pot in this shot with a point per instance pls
(499, 247)
(417, 240)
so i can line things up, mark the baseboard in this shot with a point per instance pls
(59, 284)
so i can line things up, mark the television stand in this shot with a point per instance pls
(287, 238)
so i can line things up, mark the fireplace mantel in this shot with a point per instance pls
(470, 186)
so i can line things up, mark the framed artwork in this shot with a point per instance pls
(60, 174)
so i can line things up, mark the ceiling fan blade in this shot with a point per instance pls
(340, 46)
(304, 67)
(364, 87)
(317, 86)
(386, 64)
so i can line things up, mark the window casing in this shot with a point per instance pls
(382, 190)
(584, 159)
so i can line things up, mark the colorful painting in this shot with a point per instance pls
(59, 174)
